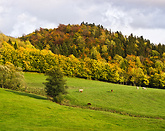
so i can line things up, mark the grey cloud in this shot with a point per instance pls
(24, 16)
(148, 19)
(116, 17)
(153, 3)
(140, 3)
(138, 14)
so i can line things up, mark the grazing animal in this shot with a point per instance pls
(137, 87)
(80, 90)
(111, 90)
(144, 88)
(89, 104)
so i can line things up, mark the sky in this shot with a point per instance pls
(141, 17)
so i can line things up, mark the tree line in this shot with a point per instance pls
(93, 41)
(134, 70)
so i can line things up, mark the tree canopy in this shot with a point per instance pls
(92, 41)
(88, 51)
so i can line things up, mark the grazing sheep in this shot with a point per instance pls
(80, 90)
(144, 88)
(137, 87)
(89, 104)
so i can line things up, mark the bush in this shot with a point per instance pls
(11, 77)
(55, 85)
(58, 99)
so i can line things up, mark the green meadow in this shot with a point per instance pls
(34, 80)
(124, 99)
(126, 108)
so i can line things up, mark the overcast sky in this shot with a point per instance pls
(140, 17)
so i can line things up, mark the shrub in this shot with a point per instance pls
(11, 77)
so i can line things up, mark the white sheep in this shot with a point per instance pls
(137, 87)
(80, 90)
(144, 88)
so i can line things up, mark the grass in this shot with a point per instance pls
(132, 109)
(27, 112)
(124, 99)
(34, 80)
(34, 83)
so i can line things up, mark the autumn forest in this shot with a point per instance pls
(88, 51)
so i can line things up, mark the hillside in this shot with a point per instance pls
(125, 109)
(88, 51)
(23, 111)
(92, 41)
(126, 100)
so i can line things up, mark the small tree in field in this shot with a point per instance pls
(55, 85)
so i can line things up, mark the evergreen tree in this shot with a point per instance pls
(55, 85)
(9, 41)
(15, 46)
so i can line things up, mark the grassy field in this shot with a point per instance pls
(22, 111)
(124, 99)
(34, 80)
(27, 112)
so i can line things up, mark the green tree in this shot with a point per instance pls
(15, 46)
(154, 55)
(9, 41)
(159, 65)
(95, 53)
(157, 80)
(118, 58)
(55, 85)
